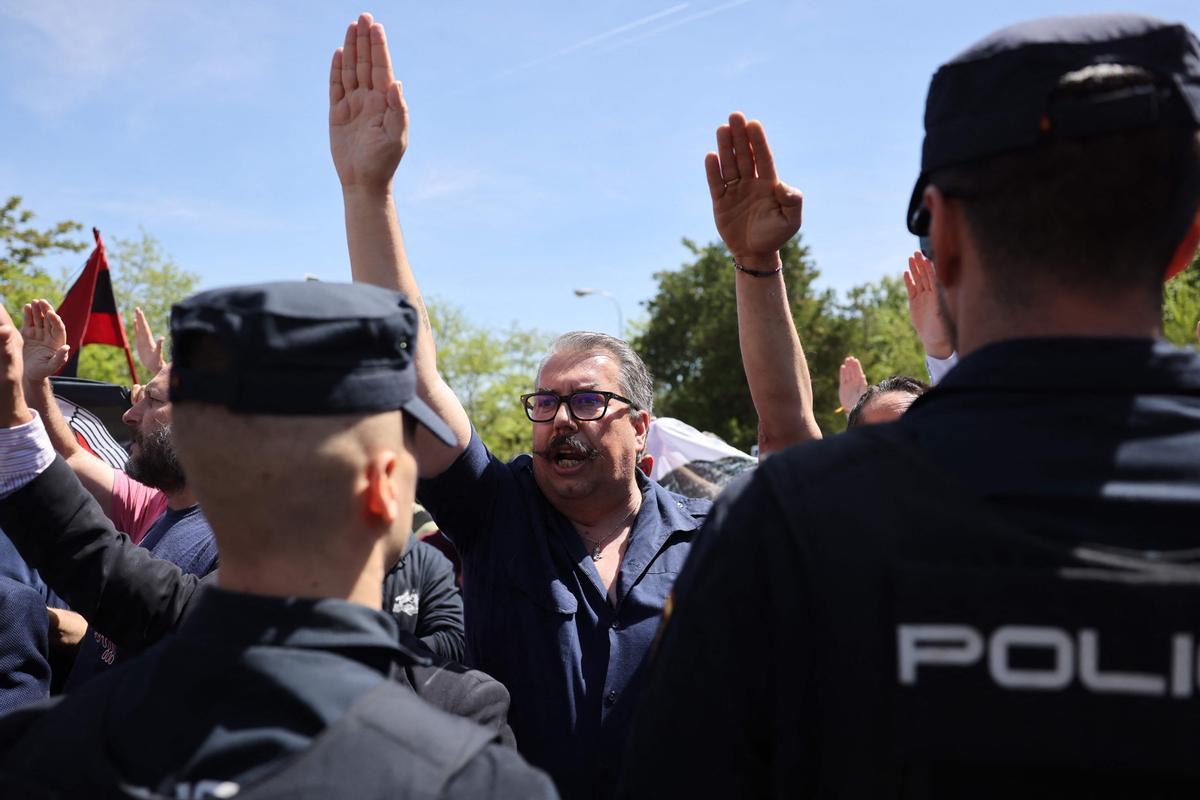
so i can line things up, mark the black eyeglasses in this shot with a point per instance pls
(586, 405)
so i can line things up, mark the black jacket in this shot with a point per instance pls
(278, 697)
(422, 595)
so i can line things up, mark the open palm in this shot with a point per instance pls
(924, 309)
(45, 350)
(368, 120)
(755, 213)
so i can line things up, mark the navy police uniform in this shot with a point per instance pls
(996, 596)
(253, 696)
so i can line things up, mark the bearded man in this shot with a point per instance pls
(150, 501)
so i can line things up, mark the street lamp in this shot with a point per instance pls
(615, 302)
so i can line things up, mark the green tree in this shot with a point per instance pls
(144, 276)
(22, 276)
(488, 372)
(878, 331)
(1181, 305)
(690, 342)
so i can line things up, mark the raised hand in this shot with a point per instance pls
(368, 121)
(920, 279)
(755, 213)
(45, 335)
(149, 349)
(852, 383)
(13, 410)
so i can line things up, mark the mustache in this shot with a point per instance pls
(573, 441)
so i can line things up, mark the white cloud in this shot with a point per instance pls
(592, 41)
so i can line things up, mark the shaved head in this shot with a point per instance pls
(288, 486)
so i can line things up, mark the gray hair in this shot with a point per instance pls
(634, 379)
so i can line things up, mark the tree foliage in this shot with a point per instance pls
(22, 277)
(1181, 305)
(488, 372)
(144, 276)
(690, 341)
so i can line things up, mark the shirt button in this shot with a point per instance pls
(610, 698)
(679, 503)
(616, 625)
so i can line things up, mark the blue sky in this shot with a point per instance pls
(553, 146)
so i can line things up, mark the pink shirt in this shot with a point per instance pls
(135, 506)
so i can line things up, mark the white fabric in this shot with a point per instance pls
(674, 443)
(25, 453)
(938, 367)
(93, 431)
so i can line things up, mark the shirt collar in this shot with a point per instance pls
(236, 619)
(1074, 365)
(675, 512)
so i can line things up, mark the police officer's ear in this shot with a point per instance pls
(946, 233)
(382, 497)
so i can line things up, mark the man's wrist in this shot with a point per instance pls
(15, 414)
(762, 262)
(939, 350)
(357, 192)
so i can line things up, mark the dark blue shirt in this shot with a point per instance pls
(182, 537)
(12, 566)
(24, 670)
(538, 616)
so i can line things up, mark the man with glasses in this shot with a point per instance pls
(568, 554)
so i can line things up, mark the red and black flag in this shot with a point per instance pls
(90, 312)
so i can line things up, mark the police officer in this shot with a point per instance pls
(998, 594)
(278, 682)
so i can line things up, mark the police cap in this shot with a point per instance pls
(309, 348)
(995, 97)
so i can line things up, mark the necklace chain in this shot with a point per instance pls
(598, 544)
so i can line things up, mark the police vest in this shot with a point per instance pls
(961, 648)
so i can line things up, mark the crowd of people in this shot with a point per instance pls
(987, 588)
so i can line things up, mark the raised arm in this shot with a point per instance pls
(368, 133)
(756, 215)
(852, 383)
(149, 349)
(925, 311)
(60, 531)
(45, 351)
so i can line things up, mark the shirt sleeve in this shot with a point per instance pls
(25, 453)
(938, 367)
(440, 613)
(135, 506)
(462, 499)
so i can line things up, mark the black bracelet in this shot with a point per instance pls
(758, 273)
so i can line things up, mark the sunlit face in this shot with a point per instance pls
(153, 459)
(152, 411)
(886, 407)
(575, 459)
